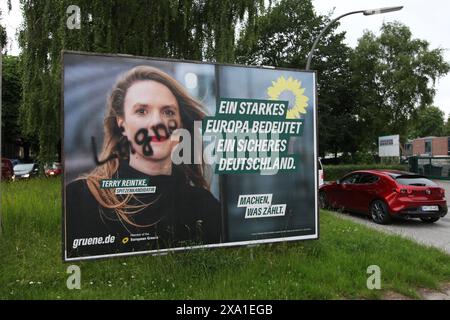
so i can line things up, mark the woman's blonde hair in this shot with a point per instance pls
(114, 143)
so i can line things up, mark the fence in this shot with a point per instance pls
(431, 167)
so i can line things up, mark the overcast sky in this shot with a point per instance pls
(427, 20)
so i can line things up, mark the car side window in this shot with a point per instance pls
(351, 179)
(367, 179)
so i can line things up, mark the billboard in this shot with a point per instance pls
(168, 155)
(389, 146)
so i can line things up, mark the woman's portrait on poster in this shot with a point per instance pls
(144, 110)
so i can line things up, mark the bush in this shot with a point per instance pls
(359, 157)
(363, 158)
(336, 172)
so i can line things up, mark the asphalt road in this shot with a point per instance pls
(432, 234)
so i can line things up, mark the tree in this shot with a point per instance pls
(446, 130)
(429, 121)
(2, 34)
(283, 37)
(11, 98)
(393, 76)
(186, 29)
(11, 102)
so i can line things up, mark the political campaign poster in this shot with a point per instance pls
(168, 155)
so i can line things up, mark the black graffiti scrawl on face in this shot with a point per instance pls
(142, 138)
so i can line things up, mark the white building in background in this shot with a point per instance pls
(389, 146)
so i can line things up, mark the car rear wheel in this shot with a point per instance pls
(323, 200)
(430, 219)
(379, 212)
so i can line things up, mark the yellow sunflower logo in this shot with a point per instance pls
(295, 87)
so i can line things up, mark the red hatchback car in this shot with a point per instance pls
(384, 194)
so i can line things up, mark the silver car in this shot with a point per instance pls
(25, 171)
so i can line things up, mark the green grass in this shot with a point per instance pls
(333, 267)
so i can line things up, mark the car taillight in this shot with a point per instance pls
(403, 191)
(442, 192)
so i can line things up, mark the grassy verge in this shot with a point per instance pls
(333, 267)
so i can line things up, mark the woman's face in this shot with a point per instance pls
(149, 105)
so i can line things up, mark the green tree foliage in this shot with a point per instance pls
(11, 98)
(282, 37)
(393, 75)
(446, 130)
(429, 121)
(2, 37)
(184, 29)
(2, 34)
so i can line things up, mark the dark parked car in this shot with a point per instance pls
(384, 194)
(25, 171)
(7, 169)
(53, 170)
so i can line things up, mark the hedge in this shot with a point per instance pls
(333, 172)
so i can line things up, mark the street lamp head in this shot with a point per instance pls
(381, 10)
(365, 12)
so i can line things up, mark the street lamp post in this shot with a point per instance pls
(365, 12)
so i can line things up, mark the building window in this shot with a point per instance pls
(408, 147)
(428, 148)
